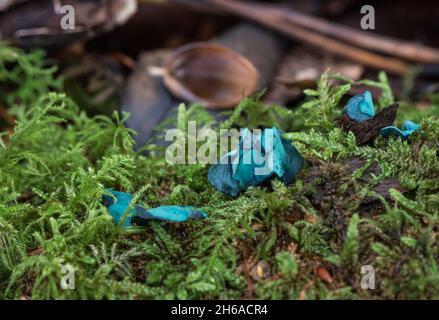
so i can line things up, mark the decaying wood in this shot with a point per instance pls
(383, 188)
(327, 177)
(266, 17)
(366, 130)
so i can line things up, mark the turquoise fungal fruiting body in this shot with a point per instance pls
(255, 161)
(118, 202)
(407, 128)
(360, 107)
(171, 213)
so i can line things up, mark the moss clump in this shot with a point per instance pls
(271, 242)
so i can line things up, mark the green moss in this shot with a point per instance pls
(56, 164)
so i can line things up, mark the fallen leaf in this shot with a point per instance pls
(324, 274)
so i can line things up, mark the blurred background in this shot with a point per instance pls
(145, 57)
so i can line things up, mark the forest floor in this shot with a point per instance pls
(351, 206)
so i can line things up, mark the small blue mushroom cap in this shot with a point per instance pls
(360, 107)
(407, 128)
(254, 161)
(117, 203)
(410, 125)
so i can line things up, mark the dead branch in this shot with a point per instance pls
(265, 17)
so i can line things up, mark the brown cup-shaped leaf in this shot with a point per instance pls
(210, 74)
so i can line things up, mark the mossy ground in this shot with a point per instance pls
(271, 242)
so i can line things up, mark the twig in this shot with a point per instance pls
(266, 18)
(250, 285)
(401, 48)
